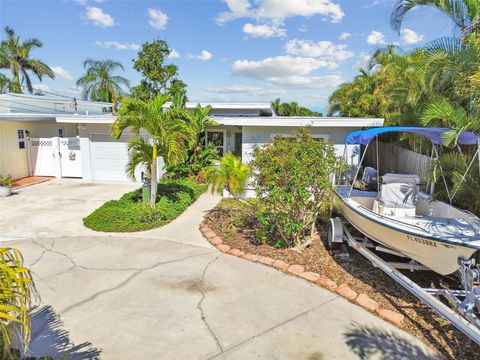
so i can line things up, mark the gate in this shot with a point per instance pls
(60, 157)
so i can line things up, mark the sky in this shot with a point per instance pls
(226, 50)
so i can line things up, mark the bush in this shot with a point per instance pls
(292, 178)
(129, 213)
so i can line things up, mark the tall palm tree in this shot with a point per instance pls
(196, 122)
(140, 153)
(465, 14)
(99, 83)
(15, 56)
(167, 131)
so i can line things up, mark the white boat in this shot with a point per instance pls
(399, 217)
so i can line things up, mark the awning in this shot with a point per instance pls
(363, 137)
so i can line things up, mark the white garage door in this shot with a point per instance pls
(109, 157)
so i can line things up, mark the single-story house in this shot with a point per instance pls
(46, 136)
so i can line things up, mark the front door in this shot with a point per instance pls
(238, 144)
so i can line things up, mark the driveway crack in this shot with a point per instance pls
(126, 281)
(198, 285)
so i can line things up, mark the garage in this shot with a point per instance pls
(108, 157)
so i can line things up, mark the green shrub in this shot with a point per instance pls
(292, 179)
(129, 213)
(6, 180)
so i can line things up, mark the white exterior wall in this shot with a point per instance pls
(14, 160)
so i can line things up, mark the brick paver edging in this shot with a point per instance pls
(324, 281)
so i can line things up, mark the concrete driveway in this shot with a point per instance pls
(167, 294)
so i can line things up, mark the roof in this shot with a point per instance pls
(264, 108)
(43, 98)
(283, 121)
(436, 135)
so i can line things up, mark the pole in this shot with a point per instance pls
(358, 170)
(378, 166)
(441, 173)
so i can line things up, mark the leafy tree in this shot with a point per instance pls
(99, 83)
(158, 77)
(166, 129)
(4, 84)
(292, 179)
(231, 174)
(292, 109)
(15, 56)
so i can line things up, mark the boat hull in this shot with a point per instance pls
(438, 256)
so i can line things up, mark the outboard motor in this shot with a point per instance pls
(369, 177)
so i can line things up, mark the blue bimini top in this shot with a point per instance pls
(363, 137)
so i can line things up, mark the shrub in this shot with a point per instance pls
(231, 175)
(6, 180)
(129, 213)
(292, 179)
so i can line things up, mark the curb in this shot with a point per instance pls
(323, 281)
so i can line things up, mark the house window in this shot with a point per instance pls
(61, 132)
(21, 138)
(216, 139)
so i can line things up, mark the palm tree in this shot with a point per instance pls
(4, 84)
(99, 83)
(15, 56)
(465, 14)
(166, 129)
(17, 294)
(231, 175)
(140, 153)
(196, 122)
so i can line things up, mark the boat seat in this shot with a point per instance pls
(397, 195)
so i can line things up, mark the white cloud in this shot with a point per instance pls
(322, 49)
(287, 71)
(362, 62)
(117, 45)
(264, 30)
(279, 10)
(174, 54)
(376, 38)
(241, 89)
(344, 36)
(98, 17)
(410, 37)
(61, 73)
(204, 55)
(157, 19)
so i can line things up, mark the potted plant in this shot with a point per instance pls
(6, 185)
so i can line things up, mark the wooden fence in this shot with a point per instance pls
(395, 159)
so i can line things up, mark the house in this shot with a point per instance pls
(71, 138)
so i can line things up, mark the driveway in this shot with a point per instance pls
(167, 294)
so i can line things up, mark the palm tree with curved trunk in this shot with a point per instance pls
(100, 84)
(15, 56)
(166, 129)
(465, 14)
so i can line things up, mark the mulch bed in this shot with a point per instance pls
(236, 224)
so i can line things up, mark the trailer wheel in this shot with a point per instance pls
(335, 234)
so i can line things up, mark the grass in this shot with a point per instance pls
(129, 213)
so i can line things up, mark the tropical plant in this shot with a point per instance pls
(6, 180)
(17, 296)
(292, 109)
(193, 166)
(292, 179)
(15, 56)
(4, 84)
(465, 14)
(165, 128)
(231, 174)
(99, 83)
(140, 152)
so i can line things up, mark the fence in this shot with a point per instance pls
(395, 159)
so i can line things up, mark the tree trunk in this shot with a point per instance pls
(153, 175)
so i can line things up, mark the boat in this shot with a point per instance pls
(396, 218)
(404, 220)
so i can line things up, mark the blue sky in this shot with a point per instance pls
(233, 50)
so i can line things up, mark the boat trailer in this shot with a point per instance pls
(464, 303)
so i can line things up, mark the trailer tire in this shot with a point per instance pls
(335, 234)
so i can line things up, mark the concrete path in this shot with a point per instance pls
(167, 294)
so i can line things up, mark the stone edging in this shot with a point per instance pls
(343, 290)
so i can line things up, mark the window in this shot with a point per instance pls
(21, 138)
(61, 132)
(217, 140)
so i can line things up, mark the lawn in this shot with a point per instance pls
(129, 213)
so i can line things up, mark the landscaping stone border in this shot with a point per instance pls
(323, 281)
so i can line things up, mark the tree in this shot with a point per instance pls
(167, 131)
(231, 174)
(99, 83)
(15, 56)
(292, 109)
(140, 154)
(465, 14)
(292, 179)
(158, 77)
(4, 84)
